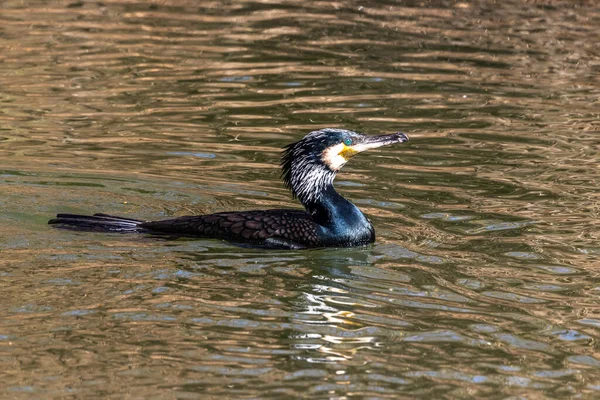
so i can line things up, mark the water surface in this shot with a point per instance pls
(483, 282)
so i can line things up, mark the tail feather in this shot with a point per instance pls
(97, 223)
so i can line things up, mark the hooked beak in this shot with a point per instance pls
(372, 142)
(338, 155)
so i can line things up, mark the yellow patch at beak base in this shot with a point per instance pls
(348, 152)
(336, 156)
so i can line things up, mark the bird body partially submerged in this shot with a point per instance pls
(309, 168)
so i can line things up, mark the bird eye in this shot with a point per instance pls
(347, 141)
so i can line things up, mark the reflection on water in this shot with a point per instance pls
(482, 283)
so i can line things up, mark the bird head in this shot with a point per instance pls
(310, 164)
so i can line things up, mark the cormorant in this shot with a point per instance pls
(309, 167)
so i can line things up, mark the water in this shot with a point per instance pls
(484, 279)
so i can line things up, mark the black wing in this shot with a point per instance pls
(271, 228)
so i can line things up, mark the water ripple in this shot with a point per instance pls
(482, 282)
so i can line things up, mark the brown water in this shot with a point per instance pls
(485, 278)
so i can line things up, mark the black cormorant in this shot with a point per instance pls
(309, 168)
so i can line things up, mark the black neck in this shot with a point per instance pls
(340, 218)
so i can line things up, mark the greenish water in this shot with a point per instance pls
(483, 283)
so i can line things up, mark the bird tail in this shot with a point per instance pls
(97, 223)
